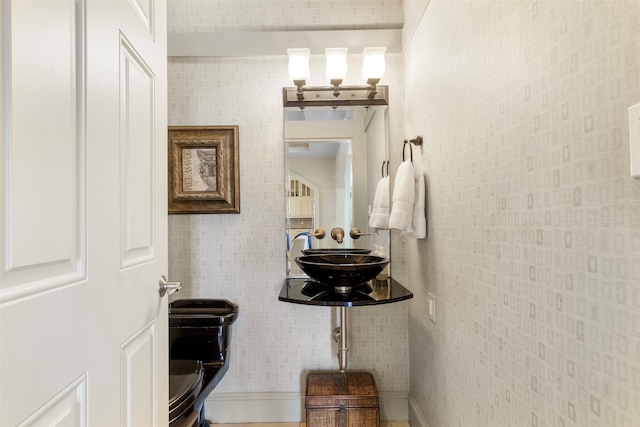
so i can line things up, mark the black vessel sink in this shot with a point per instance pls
(342, 271)
(337, 251)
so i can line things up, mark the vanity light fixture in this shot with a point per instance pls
(373, 66)
(299, 66)
(336, 67)
(336, 94)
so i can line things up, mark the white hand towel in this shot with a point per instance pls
(380, 211)
(401, 217)
(419, 218)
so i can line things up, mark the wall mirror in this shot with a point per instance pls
(335, 158)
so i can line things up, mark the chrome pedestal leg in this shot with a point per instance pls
(341, 334)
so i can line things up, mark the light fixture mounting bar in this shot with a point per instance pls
(322, 96)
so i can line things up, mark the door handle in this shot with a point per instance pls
(167, 287)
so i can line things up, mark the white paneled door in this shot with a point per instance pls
(83, 236)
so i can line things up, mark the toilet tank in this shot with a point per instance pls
(200, 329)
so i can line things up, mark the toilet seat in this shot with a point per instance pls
(185, 384)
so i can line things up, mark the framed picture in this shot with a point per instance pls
(204, 172)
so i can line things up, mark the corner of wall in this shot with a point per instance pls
(416, 418)
(414, 10)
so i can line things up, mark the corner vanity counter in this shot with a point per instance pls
(309, 292)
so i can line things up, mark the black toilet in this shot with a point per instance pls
(199, 337)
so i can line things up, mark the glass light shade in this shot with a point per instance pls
(336, 63)
(298, 64)
(373, 65)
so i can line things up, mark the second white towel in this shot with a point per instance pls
(380, 210)
(401, 217)
(419, 219)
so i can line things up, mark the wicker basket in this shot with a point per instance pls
(342, 400)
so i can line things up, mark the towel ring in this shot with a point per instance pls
(416, 141)
(385, 162)
(404, 149)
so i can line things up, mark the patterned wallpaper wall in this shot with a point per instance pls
(242, 257)
(533, 252)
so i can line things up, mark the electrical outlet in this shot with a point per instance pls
(432, 307)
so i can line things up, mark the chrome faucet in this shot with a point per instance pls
(337, 234)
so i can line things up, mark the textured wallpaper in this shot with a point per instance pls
(533, 252)
(242, 257)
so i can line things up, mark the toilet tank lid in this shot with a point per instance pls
(203, 306)
(224, 311)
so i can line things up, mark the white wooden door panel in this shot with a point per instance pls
(67, 409)
(138, 379)
(146, 12)
(35, 367)
(83, 225)
(137, 156)
(44, 168)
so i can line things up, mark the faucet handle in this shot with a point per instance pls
(318, 233)
(355, 233)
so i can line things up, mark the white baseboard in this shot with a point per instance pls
(286, 407)
(416, 417)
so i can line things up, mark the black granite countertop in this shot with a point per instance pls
(309, 292)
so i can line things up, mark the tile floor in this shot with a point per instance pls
(382, 424)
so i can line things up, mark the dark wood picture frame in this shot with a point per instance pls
(204, 174)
